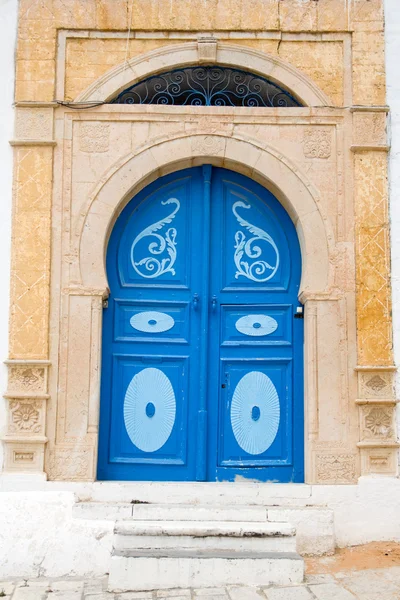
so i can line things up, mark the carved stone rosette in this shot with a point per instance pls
(27, 396)
(376, 401)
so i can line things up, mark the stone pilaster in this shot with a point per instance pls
(376, 398)
(27, 392)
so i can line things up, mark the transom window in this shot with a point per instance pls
(207, 86)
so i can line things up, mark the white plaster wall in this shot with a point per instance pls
(8, 35)
(392, 22)
(40, 536)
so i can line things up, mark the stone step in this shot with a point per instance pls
(167, 512)
(314, 524)
(315, 527)
(238, 493)
(204, 529)
(103, 511)
(141, 570)
(131, 536)
(125, 544)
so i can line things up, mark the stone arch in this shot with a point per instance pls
(262, 163)
(190, 53)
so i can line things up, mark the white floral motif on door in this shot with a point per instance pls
(260, 270)
(154, 267)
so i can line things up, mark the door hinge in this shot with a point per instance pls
(105, 303)
(299, 314)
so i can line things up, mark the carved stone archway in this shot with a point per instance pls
(262, 163)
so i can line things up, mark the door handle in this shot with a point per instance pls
(196, 300)
(213, 303)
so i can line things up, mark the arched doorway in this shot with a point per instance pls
(202, 375)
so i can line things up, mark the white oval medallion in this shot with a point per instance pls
(151, 321)
(255, 412)
(149, 409)
(256, 325)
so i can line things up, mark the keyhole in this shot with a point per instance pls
(255, 413)
(150, 410)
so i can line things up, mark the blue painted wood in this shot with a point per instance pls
(150, 379)
(202, 358)
(256, 269)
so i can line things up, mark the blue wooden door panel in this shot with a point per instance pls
(155, 245)
(255, 413)
(256, 255)
(256, 325)
(153, 427)
(151, 335)
(255, 373)
(202, 354)
(152, 322)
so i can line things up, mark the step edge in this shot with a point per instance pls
(267, 503)
(130, 524)
(166, 506)
(200, 534)
(183, 522)
(206, 554)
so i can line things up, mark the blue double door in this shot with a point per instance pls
(202, 348)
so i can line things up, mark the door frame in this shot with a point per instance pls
(302, 202)
(203, 461)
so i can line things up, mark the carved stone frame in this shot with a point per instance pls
(64, 409)
(85, 284)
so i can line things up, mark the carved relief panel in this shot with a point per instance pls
(27, 396)
(377, 412)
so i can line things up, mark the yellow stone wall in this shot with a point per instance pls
(40, 22)
(323, 60)
(374, 319)
(30, 265)
(64, 46)
(88, 59)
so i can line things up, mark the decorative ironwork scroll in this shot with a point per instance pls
(207, 86)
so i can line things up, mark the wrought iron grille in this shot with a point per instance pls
(207, 86)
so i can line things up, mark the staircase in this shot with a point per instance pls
(163, 539)
(174, 553)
